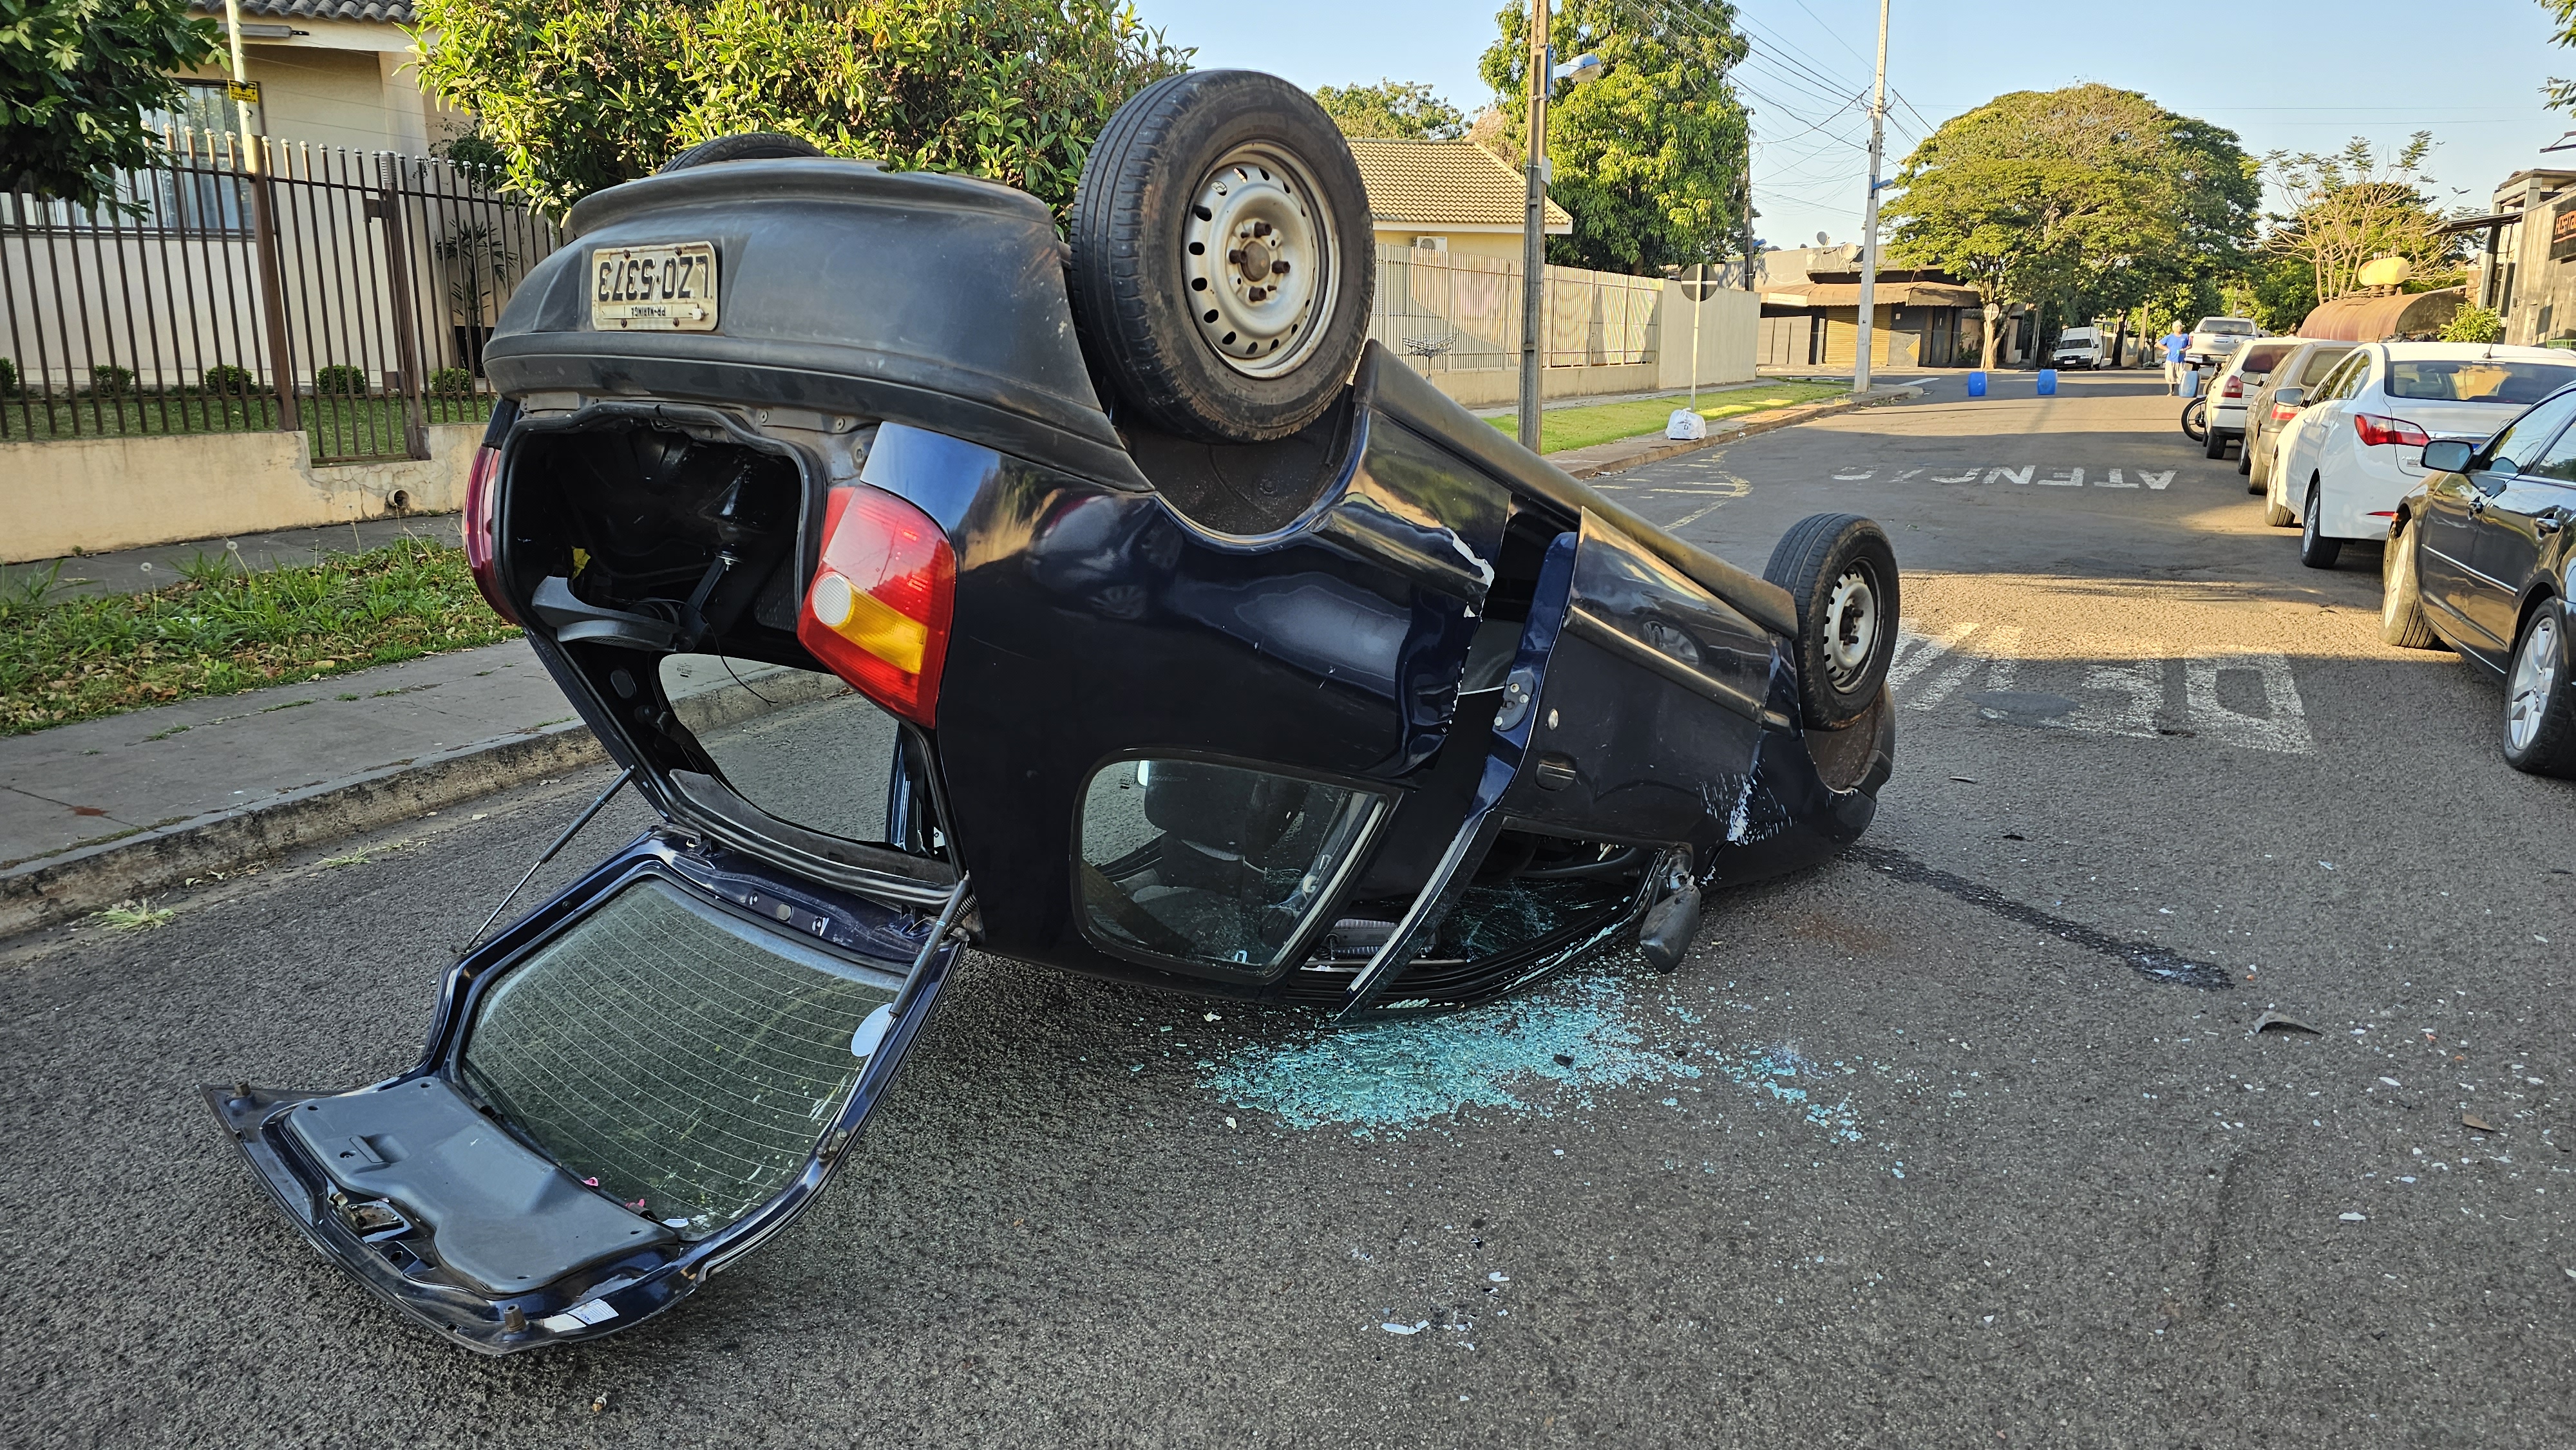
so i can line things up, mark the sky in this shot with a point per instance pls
(2290, 75)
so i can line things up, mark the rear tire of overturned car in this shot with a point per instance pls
(1841, 571)
(1223, 256)
(2401, 608)
(748, 146)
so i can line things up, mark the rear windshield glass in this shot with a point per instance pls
(2230, 326)
(2476, 380)
(681, 1060)
(2262, 357)
(2322, 362)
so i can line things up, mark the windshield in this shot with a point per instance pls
(2476, 380)
(680, 1060)
(2262, 357)
(2227, 326)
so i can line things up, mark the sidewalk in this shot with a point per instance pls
(133, 804)
(127, 571)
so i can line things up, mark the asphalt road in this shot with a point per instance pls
(1923, 1148)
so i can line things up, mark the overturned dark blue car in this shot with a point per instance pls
(1113, 605)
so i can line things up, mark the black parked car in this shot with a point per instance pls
(1115, 606)
(2479, 559)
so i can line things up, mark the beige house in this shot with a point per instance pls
(330, 72)
(1448, 196)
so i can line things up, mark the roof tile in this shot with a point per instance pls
(1445, 183)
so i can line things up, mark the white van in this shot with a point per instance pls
(2079, 347)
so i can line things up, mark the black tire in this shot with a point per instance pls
(2195, 419)
(1189, 338)
(2213, 443)
(749, 146)
(2258, 464)
(1841, 570)
(2315, 549)
(2245, 461)
(2539, 696)
(2401, 605)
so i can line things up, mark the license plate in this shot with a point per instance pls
(654, 289)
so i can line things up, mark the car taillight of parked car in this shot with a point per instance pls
(2235, 388)
(877, 614)
(483, 530)
(2376, 430)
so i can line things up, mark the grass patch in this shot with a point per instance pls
(339, 427)
(1564, 428)
(133, 916)
(222, 629)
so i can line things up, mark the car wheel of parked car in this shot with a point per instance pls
(749, 146)
(2401, 608)
(1223, 256)
(2258, 469)
(2539, 715)
(2315, 549)
(2195, 419)
(2245, 461)
(2213, 443)
(1841, 570)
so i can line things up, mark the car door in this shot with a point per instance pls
(2454, 555)
(2515, 527)
(2324, 441)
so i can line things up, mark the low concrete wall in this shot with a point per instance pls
(97, 494)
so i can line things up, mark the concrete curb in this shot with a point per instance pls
(57, 888)
(1787, 417)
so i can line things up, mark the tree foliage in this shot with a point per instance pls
(582, 94)
(2558, 93)
(76, 77)
(1649, 156)
(2091, 197)
(1394, 110)
(2359, 204)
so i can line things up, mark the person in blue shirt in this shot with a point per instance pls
(2175, 343)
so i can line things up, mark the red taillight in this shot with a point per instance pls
(2375, 430)
(2283, 412)
(483, 530)
(2235, 387)
(877, 614)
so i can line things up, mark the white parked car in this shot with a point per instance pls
(2214, 338)
(2357, 444)
(2079, 347)
(2243, 375)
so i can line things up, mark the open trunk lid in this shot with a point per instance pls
(640, 1081)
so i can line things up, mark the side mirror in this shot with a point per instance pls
(2448, 455)
(2290, 398)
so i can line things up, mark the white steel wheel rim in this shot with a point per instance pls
(1259, 268)
(2535, 675)
(1851, 628)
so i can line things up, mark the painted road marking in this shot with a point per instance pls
(2029, 474)
(2244, 698)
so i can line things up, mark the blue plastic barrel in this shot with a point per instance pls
(2048, 382)
(2191, 382)
(1976, 385)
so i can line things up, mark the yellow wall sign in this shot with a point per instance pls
(242, 91)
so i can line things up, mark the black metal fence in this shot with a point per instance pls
(271, 285)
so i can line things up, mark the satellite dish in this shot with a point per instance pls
(1824, 239)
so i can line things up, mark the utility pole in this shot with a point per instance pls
(1869, 218)
(1748, 203)
(1534, 230)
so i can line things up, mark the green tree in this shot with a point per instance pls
(577, 95)
(2359, 204)
(1394, 110)
(1649, 156)
(76, 77)
(2089, 197)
